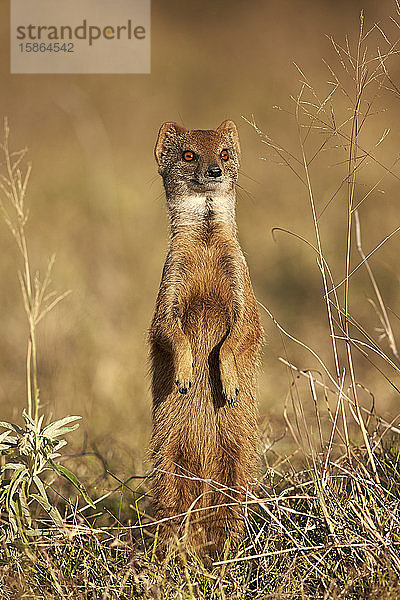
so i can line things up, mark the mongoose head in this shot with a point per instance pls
(198, 162)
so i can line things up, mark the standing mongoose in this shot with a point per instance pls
(204, 344)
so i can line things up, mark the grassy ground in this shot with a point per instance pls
(327, 531)
(323, 517)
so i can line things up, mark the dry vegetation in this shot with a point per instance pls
(324, 520)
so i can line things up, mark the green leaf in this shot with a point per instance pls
(63, 430)
(58, 427)
(39, 425)
(21, 509)
(64, 472)
(39, 484)
(16, 428)
(51, 510)
(4, 435)
(9, 445)
(43, 501)
(14, 483)
(28, 420)
(60, 444)
(23, 500)
(6, 425)
(12, 466)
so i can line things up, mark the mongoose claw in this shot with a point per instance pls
(183, 388)
(231, 399)
(231, 402)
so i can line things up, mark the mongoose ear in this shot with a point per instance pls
(230, 127)
(166, 130)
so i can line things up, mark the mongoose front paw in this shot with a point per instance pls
(231, 396)
(184, 371)
(183, 387)
(229, 376)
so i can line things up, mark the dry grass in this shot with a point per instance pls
(324, 521)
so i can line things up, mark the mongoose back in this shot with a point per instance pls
(204, 344)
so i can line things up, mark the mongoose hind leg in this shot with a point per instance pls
(174, 492)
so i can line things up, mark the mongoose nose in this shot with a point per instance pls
(214, 171)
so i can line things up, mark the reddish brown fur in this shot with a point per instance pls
(204, 339)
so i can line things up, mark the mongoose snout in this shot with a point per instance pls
(204, 343)
(214, 171)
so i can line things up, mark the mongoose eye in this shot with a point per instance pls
(188, 156)
(224, 154)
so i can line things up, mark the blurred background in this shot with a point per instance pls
(96, 201)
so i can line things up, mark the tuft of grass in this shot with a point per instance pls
(29, 451)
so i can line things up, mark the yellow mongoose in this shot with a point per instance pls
(204, 343)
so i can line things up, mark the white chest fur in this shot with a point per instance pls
(194, 209)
